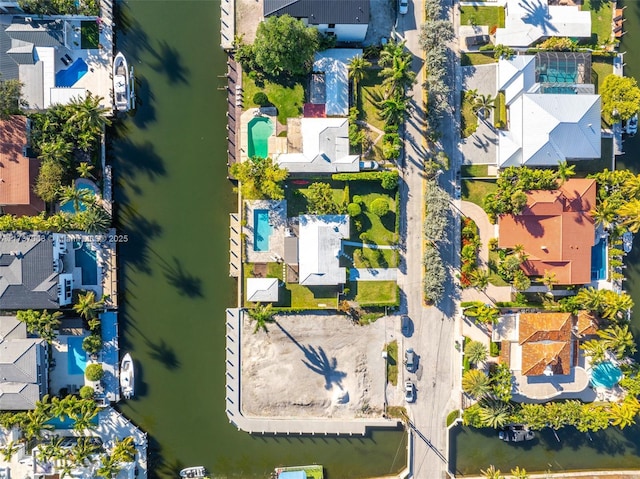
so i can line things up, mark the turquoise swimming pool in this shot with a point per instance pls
(261, 230)
(605, 375)
(87, 262)
(76, 356)
(599, 261)
(69, 77)
(81, 184)
(260, 129)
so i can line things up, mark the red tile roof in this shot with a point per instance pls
(17, 172)
(313, 110)
(556, 230)
(546, 342)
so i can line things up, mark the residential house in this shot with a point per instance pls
(530, 21)
(348, 20)
(320, 245)
(317, 145)
(556, 230)
(330, 81)
(18, 172)
(30, 271)
(23, 366)
(552, 115)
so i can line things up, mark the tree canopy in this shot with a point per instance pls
(620, 98)
(260, 178)
(285, 45)
(10, 98)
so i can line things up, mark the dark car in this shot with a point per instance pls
(476, 40)
(406, 326)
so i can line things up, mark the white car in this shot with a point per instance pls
(409, 392)
(632, 125)
(369, 165)
(403, 6)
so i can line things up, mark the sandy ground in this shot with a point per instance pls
(248, 17)
(313, 366)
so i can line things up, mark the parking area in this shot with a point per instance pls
(313, 366)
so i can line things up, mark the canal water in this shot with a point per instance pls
(473, 450)
(173, 201)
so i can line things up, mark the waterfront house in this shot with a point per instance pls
(23, 366)
(318, 145)
(530, 21)
(556, 230)
(18, 172)
(347, 20)
(319, 249)
(552, 112)
(30, 271)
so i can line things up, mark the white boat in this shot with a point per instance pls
(121, 83)
(127, 377)
(631, 128)
(627, 241)
(194, 471)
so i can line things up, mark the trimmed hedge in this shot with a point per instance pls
(383, 176)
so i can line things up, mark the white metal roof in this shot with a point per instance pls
(530, 20)
(334, 63)
(319, 248)
(264, 290)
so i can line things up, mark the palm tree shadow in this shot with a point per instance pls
(163, 353)
(186, 284)
(318, 362)
(169, 62)
(538, 15)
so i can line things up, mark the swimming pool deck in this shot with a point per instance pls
(278, 220)
(59, 377)
(245, 118)
(285, 426)
(541, 389)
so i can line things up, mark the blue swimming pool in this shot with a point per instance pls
(261, 230)
(80, 185)
(69, 77)
(87, 262)
(67, 422)
(76, 356)
(605, 375)
(599, 261)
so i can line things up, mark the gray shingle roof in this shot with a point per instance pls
(27, 277)
(321, 11)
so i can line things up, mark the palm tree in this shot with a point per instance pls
(261, 315)
(480, 278)
(124, 450)
(392, 110)
(591, 298)
(57, 151)
(84, 170)
(89, 115)
(521, 281)
(624, 414)
(81, 196)
(631, 213)
(9, 451)
(398, 76)
(391, 50)
(631, 187)
(519, 251)
(83, 449)
(519, 473)
(476, 383)
(84, 420)
(34, 423)
(109, 468)
(65, 467)
(357, 71)
(492, 473)
(87, 306)
(618, 339)
(594, 349)
(616, 305)
(604, 214)
(565, 171)
(549, 279)
(475, 352)
(483, 104)
(494, 413)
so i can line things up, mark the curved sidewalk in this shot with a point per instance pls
(266, 425)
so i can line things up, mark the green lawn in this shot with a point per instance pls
(287, 99)
(89, 35)
(500, 112)
(379, 230)
(600, 68)
(476, 190)
(314, 297)
(370, 93)
(601, 15)
(373, 258)
(392, 363)
(297, 201)
(373, 292)
(491, 16)
(468, 118)
(469, 59)
(474, 170)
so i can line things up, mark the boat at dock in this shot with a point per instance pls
(627, 241)
(123, 92)
(313, 471)
(193, 471)
(127, 377)
(516, 433)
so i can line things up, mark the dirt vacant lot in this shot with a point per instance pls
(313, 366)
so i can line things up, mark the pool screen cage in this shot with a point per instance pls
(563, 67)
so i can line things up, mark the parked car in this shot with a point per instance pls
(406, 325)
(410, 360)
(369, 165)
(409, 392)
(403, 6)
(632, 125)
(476, 40)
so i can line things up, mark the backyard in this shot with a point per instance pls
(287, 99)
(600, 68)
(601, 15)
(474, 15)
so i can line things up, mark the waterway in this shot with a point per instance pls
(173, 201)
(611, 449)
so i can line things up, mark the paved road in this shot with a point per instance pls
(434, 327)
